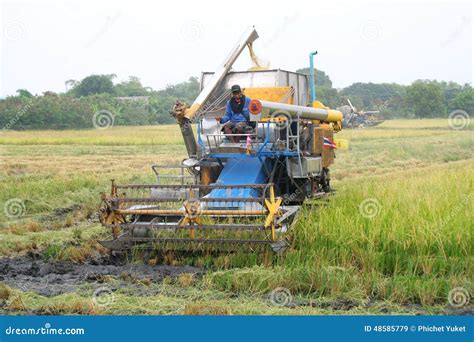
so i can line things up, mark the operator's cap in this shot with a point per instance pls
(235, 88)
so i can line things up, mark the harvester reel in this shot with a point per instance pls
(192, 207)
(227, 215)
(107, 214)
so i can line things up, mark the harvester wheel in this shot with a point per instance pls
(325, 180)
(280, 246)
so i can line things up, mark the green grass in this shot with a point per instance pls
(413, 250)
(114, 136)
(172, 299)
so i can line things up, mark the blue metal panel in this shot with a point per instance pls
(249, 170)
(242, 171)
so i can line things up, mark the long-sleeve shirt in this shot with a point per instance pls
(231, 116)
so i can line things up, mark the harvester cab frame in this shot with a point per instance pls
(232, 194)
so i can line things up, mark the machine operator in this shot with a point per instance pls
(236, 119)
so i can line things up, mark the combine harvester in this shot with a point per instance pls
(244, 193)
(353, 118)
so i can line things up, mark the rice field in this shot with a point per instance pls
(395, 238)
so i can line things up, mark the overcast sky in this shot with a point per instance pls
(45, 43)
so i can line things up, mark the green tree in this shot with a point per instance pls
(320, 77)
(160, 107)
(24, 93)
(70, 84)
(450, 91)
(328, 96)
(162, 101)
(325, 93)
(184, 91)
(424, 98)
(132, 87)
(373, 95)
(464, 100)
(94, 84)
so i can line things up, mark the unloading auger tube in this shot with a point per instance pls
(268, 109)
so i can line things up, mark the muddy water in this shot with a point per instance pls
(31, 273)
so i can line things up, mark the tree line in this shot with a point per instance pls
(131, 103)
(421, 99)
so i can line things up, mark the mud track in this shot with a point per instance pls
(31, 273)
